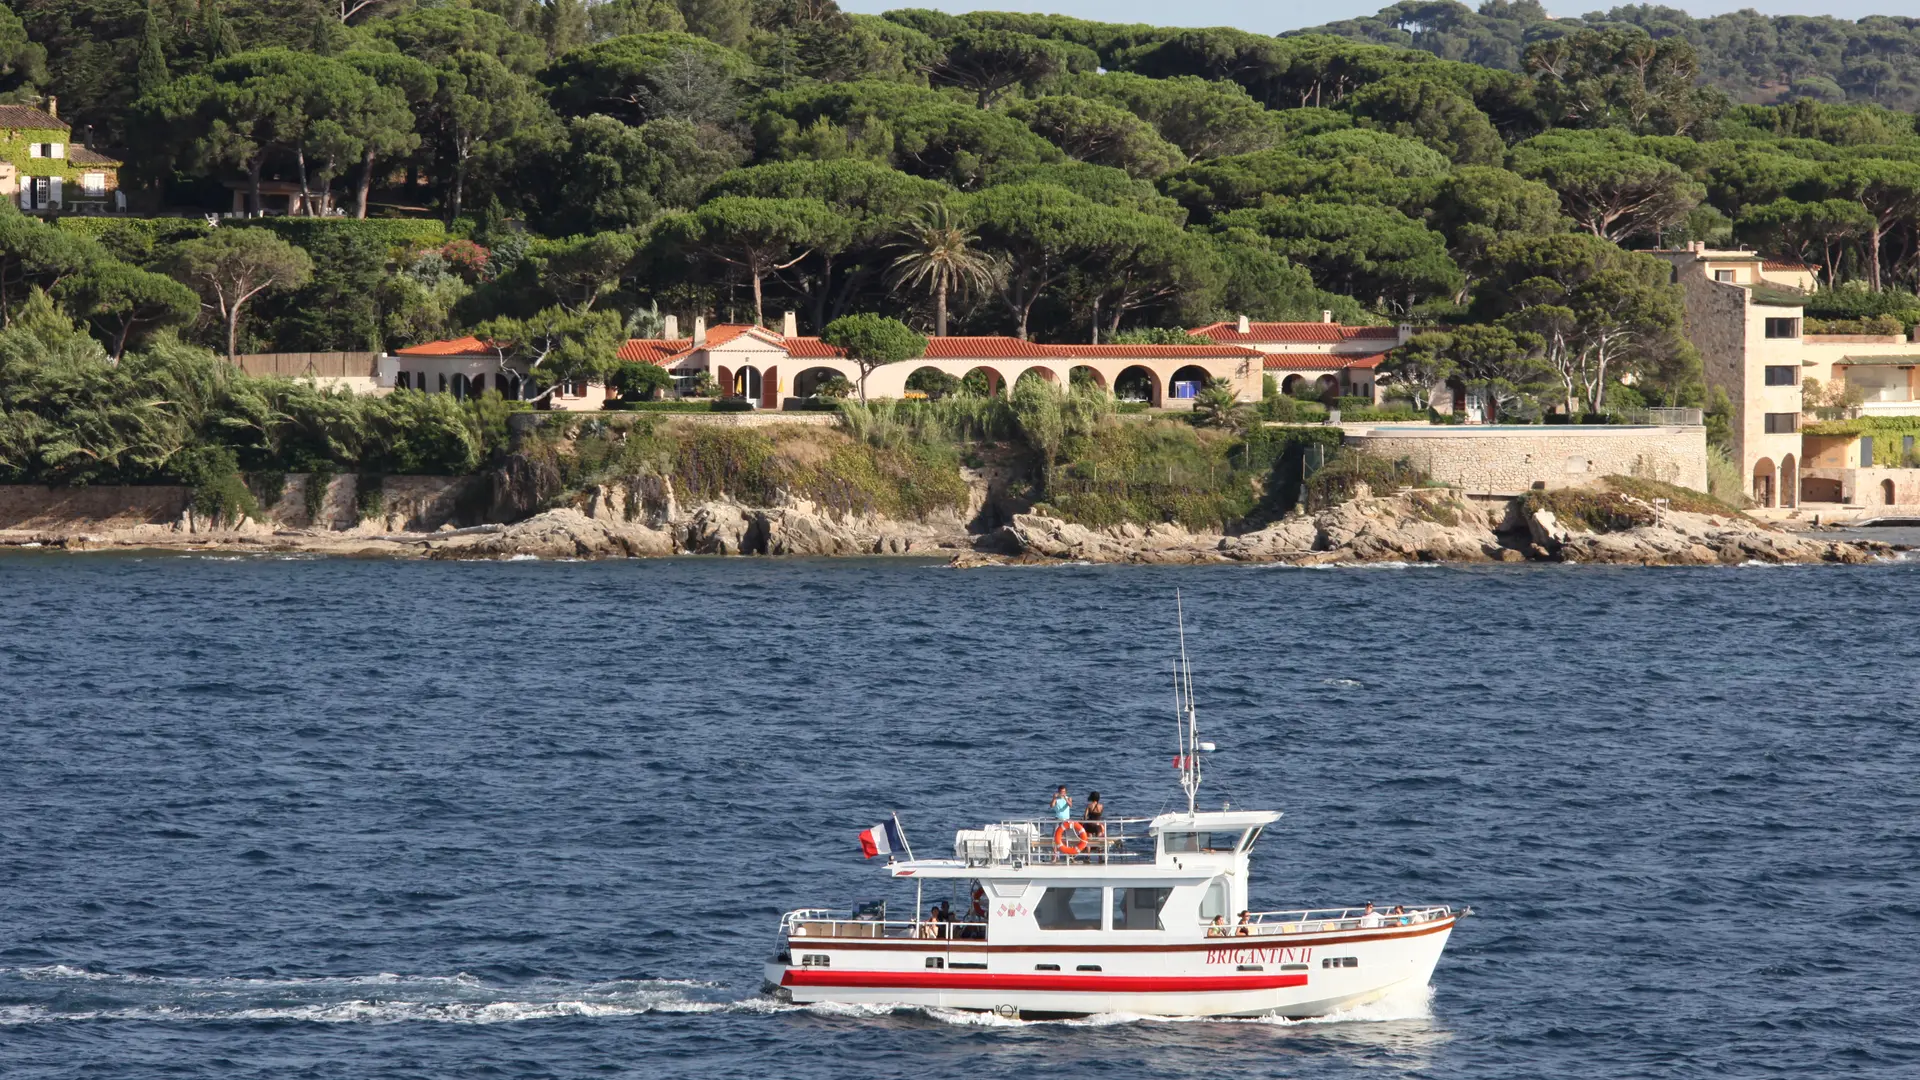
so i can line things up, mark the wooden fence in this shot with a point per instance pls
(316, 365)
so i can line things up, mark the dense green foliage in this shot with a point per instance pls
(556, 174)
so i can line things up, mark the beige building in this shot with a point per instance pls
(1745, 316)
(1324, 356)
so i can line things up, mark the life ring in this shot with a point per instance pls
(979, 902)
(1065, 847)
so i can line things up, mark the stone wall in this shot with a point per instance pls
(1508, 461)
(31, 507)
(1863, 487)
(407, 504)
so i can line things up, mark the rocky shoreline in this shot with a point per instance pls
(1416, 526)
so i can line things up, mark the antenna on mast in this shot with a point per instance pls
(1185, 722)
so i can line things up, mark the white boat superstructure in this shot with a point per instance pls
(1146, 919)
(1138, 915)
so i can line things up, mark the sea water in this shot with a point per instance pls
(268, 817)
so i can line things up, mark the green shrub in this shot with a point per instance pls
(220, 493)
(1340, 478)
(1872, 324)
(1592, 511)
(1291, 410)
(730, 404)
(268, 486)
(1847, 303)
(369, 496)
(319, 479)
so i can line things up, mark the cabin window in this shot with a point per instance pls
(815, 960)
(1068, 909)
(1214, 904)
(1340, 961)
(1139, 909)
(1176, 842)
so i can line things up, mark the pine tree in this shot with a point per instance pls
(220, 42)
(150, 74)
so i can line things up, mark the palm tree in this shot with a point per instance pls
(1219, 406)
(940, 256)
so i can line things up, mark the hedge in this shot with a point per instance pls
(148, 232)
(390, 232)
(1865, 425)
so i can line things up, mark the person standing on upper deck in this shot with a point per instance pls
(1062, 804)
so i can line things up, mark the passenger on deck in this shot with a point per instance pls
(1219, 927)
(1401, 911)
(1062, 804)
(942, 920)
(1096, 830)
(1245, 924)
(1369, 918)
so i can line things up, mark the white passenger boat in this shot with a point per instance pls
(1143, 916)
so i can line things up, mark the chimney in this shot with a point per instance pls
(699, 329)
(670, 328)
(789, 325)
(53, 106)
(1244, 326)
(1326, 315)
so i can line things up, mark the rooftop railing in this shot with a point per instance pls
(1050, 842)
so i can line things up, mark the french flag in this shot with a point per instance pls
(882, 839)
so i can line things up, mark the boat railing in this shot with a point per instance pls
(813, 923)
(1051, 842)
(1320, 920)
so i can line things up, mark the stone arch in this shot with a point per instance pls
(1886, 492)
(935, 383)
(1763, 482)
(807, 383)
(1039, 373)
(747, 383)
(1291, 385)
(1789, 481)
(1188, 381)
(462, 387)
(992, 383)
(1082, 376)
(1137, 382)
(1326, 386)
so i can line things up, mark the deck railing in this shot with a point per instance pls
(1022, 843)
(1321, 920)
(816, 923)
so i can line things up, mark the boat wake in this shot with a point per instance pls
(58, 993)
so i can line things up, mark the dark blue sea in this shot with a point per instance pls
(333, 818)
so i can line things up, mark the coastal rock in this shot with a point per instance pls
(1289, 538)
(560, 534)
(1035, 534)
(1680, 538)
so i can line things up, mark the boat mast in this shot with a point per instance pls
(1186, 723)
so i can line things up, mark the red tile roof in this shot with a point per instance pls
(651, 350)
(812, 348)
(1299, 332)
(26, 116)
(1321, 361)
(1801, 267)
(1147, 352)
(1008, 348)
(466, 346)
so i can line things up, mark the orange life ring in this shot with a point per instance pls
(979, 902)
(1062, 845)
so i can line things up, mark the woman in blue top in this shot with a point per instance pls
(1062, 805)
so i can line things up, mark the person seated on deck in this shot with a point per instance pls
(1219, 927)
(1245, 924)
(1369, 918)
(1401, 911)
(1062, 804)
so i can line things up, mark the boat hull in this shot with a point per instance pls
(1232, 977)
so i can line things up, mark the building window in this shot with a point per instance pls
(1781, 374)
(93, 183)
(1723, 275)
(403, 382)
(1783, 328)
(1782, 423)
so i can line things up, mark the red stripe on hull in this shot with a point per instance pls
(1092, 984)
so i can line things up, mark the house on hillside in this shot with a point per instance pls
(1324, 357)
(771, 369)
(1745, 315)
(42, 170)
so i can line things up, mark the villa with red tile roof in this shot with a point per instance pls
(768, 367)
(1322, 355)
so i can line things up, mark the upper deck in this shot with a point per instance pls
(1169, 844)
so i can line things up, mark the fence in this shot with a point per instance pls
(311, 365)
(1663, 417)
